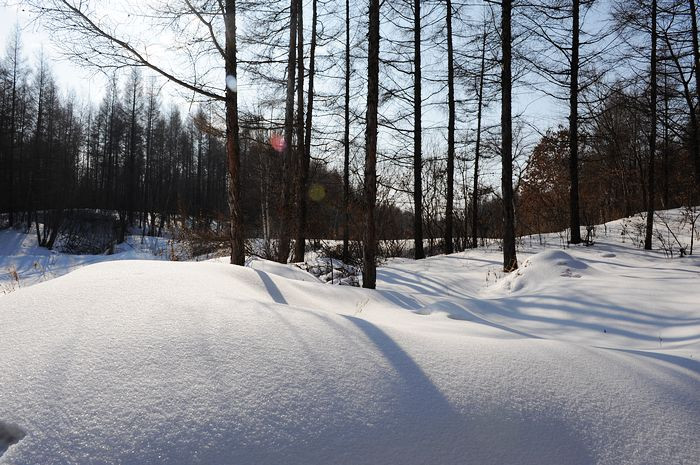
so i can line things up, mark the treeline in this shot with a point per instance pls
(146, 164)
(126, 155)
(419, 101)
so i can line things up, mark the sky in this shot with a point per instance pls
(88, 85)
(70, 77)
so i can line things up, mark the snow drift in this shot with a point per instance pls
(181, 363)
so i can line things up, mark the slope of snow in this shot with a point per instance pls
(23, 263)
(585, 356)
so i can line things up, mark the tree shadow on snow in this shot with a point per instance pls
(272, 288)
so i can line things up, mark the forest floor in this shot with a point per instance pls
(585, 355)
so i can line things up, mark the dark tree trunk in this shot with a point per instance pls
(288, 159)
(652, 137)
(477, 152)
(346, 141)
(131, 171)
(574, 223)
(369, 272)
(417, 139)
(305, 156)
(694, 142)
(665, 160)
(232, 141)
(299, 152)
(449, 214)
(147, 171)
(510, 261)
(696, 59)
(13, 118)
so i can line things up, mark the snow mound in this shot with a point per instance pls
(331, 270)
(203, 363)
(543, 269)
(282, 270)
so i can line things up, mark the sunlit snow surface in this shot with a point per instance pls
(584, 356)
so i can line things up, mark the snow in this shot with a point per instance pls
(23, 263)
(588, 355)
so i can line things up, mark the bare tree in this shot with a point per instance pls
(369, 272)
(449, 210)
(346, 141)
(575, 222)
(652, 136)
(696, 63)
(14, 62)
(417, 135)
(305, 157)
(288, 160)
(477, 151)
(510, 261)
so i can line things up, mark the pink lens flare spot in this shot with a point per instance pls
(277, 142)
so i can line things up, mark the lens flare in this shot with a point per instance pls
(277, 142)
(317, 192)
(232, 83)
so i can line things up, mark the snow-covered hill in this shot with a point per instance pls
(589, 355)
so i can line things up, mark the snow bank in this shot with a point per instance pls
(23, 263)
(588, 355)
(279, 269)
(181, 363)
(543, 269)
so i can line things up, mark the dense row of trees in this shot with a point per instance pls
(385, 105)
(143, 160)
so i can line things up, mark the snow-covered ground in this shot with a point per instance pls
(586, 355)
(23, 263)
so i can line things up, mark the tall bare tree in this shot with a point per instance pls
(300, 173)
(449, 210)
(288, 162)
(346, 141)
(417, 135)
(369, 272)
(574, 217)
(510, 261)
(477, 151)
(696, 62)
(305, 157)
(651, 190)
(237, 237)
(14, 62)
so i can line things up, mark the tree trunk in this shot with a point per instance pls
(232, 140)
(696, 59)
(417, 139)
(369, 272)
(575, 223)
(147, 173)
(288, 162)
(665, 159)
(510, 261)
(346, 141)
(305, 155)
(449, 214)
(477, 152)
(652, 137)
(13, 118)
(131, 171)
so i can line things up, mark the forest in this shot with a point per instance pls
(314, 232)
(356, 122)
